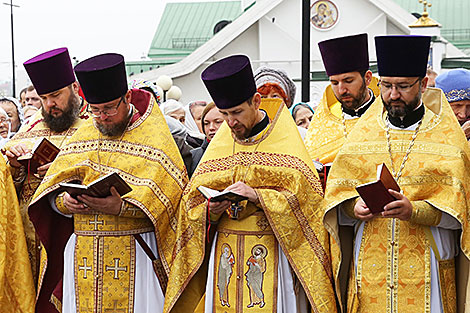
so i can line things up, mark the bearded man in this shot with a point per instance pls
(345, 100)
(63, 111)
(110, 253)
(403, 257)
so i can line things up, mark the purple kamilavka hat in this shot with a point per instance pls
(50, 71)
(402, 56)
(230, 81)
(102, 78)
(345, 54)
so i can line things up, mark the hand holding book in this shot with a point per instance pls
(382, 197)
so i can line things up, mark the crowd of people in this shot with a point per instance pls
(283, 227)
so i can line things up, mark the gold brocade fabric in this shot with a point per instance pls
(17, 293)
(26, 184)
(325, 135)
(147, 158)
(280, 170)
(105, 261)
(393, 270)
(246, 262)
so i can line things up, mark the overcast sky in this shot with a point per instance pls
(85, 27)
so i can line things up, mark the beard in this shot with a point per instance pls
(403, 110)
(69, 115)
(356, 101)
(242, 133)
(113, 130)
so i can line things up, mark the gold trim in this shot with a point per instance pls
(114, 233)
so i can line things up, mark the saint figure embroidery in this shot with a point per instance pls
(254, 276)
(225, 272)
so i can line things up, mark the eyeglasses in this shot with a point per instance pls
(401, 88)
(4, 120)
(95, 112)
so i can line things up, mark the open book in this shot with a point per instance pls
(219, 196)
(42, 153)
(375, 194)
(100, 188)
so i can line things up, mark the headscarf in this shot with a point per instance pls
(455, 84)
(299, 105)
(191, 124)
(148, 86)
(19, 109)
(172, 105)
(3, 141)
(264, 75)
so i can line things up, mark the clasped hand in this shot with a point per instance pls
(239, 188)
(401, 208)
(85, 204)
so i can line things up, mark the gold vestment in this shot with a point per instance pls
(246, 250)
(147, 158)
(16, 281)
(27, 183)
(393, 269)
(325, 135)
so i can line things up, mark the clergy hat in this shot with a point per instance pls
(102, 78)
(345, 54)
(455, 84)
(50, 71)
(402, 56)
(230, 81)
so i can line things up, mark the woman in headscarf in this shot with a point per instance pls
(211, 120)
(176, 110)
(195, 109)
(274, 83)
(302, 114)
(15, 113)
(4, 128)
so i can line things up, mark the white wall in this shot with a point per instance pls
(275, 41)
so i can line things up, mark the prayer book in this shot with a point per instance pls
(219, 196)
(375, 194)
(42, 153)
(99, 188)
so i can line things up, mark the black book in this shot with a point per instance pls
(99, 188)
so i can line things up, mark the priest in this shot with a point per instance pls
(110, 253)
(403, 258)
(270, 252)
(351, 91)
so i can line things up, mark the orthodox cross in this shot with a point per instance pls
(426, 4)
(114, 309)
(116, 268)
(96, 222)
(84, 268)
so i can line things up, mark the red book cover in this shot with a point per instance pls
(375, 194)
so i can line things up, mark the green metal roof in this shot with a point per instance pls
(453, 15)
(186, 26)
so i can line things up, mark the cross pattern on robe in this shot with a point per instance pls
(116, 268)
(95, 222)
(84, 268)
(133, 209)
(114, 309)
(87, 308)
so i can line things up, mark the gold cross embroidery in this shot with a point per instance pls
(116, 268)
(84, 268)
(96, 222)
(133, 209)
(114, 309)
